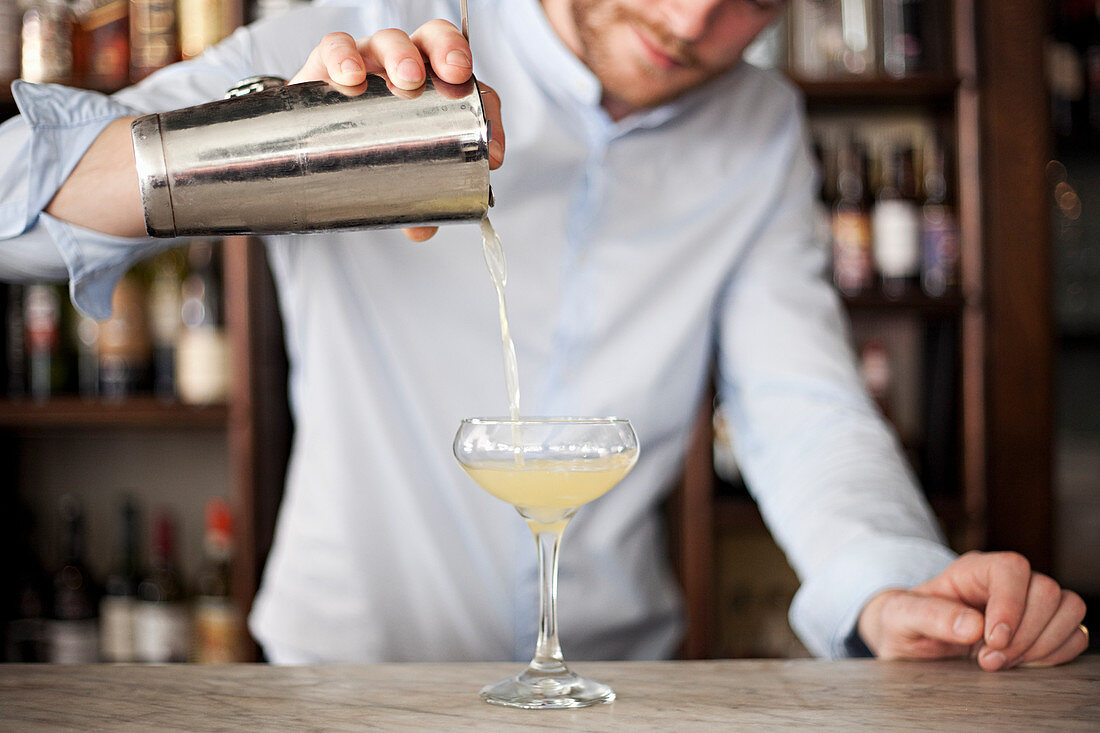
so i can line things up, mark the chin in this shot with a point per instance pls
(645, 91)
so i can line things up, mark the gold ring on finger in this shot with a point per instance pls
(1085, 631)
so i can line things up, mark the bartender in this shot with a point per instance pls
(657, 210)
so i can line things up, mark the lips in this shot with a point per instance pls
(656, 54)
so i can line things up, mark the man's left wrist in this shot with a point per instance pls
(855, 646)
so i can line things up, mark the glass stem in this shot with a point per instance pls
(548, 657)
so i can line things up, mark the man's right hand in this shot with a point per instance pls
(345, 62)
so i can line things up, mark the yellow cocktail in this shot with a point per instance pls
(543, 488)
(547, 468)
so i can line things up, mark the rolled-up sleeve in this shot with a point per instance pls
(827, 472)
(40, 148)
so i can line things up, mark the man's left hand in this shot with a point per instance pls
(991, 605)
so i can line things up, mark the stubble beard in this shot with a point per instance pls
(626, 79)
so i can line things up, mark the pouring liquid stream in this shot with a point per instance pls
(498, 271)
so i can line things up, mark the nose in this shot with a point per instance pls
(688, 19)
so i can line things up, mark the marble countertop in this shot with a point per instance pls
(665, 696)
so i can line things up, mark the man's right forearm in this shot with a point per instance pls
(102, 192)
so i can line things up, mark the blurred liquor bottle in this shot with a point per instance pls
(73, 631)
(15, 342)
(874, 360)
(202, 23)
(47, 55)
(11, 20)
(86, 341)
(119, 603)
(1092, 69)
(165, 303)
(153, 36)
(47, 365)
(831, 38)
(825, 157)
(216, 624)
(853, 269)
(101, 44)
(1073, 68)
(895, 223)
(24, 590)
(901, 32)
(125, 348)
(202, 362)
(26, 639)
(939, 227)
(162, 630)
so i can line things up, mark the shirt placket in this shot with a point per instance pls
(579, 279)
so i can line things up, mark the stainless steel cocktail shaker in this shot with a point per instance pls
(309, 157)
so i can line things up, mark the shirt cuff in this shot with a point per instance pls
(63, 122)
(826, 608)
(96, 261)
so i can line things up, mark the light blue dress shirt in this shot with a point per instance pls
(639, 252)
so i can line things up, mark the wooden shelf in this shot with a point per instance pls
(77, 412)
(912, 300)
(930, 89)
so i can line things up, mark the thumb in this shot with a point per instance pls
(914, 616)
(909, 625)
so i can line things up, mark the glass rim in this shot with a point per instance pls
(611, 420)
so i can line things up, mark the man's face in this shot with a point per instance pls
(646, 52)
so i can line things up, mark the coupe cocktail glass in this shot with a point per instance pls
(547, 468)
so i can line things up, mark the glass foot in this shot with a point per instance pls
(541, 691)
